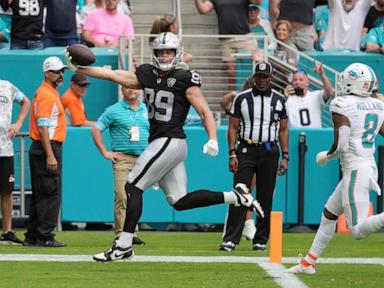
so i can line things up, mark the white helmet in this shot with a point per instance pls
(357, 79)
(166, 41)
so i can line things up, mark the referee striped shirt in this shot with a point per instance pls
(259, 115)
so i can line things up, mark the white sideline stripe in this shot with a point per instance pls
(285, 280)
(191, 259)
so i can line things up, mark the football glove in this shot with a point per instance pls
(211, 148)
(322, 158)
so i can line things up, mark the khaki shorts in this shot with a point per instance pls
(244, 43)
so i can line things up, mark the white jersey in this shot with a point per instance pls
(366, 116)
(8, 94)
(344, 28)
(305, 111)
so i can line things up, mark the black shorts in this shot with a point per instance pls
(7, 175)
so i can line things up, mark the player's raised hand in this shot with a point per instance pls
(68, 58)
(319, 68)
(211, 148)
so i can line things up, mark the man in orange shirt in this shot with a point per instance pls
(73, 103)
(47, 131)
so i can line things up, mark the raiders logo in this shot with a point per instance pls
(171, 82)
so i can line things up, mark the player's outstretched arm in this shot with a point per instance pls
(122, 77)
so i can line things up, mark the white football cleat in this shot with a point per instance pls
(301, 269)
(115, 253)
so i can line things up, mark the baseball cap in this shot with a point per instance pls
(254, 6)
(263, 68)
(80, 79)
(53, 64)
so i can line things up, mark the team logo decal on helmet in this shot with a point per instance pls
(357, 79)
(166, 41)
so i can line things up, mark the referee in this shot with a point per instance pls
(258, 121)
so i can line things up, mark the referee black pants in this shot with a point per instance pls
(46, 193)
(263, 162)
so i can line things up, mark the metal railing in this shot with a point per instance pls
(207, 59)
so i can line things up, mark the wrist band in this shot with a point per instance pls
(232, 156)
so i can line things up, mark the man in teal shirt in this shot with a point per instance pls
(128, 126)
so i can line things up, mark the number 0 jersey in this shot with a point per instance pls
(366, 116)
(166, 100)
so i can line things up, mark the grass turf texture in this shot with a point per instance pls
(138, 274)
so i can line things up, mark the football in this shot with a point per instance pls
(81, 54)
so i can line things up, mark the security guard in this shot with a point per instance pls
(258, 121)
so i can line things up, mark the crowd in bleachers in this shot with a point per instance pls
(41, 24)
(313, 25)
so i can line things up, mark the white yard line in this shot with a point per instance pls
(285, 280)
(191, 259)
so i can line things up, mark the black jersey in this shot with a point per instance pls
(165, 99)
(27, 18)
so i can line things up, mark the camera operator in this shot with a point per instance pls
(304, 107)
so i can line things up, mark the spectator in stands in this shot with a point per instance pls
(375, 40)
(105, 26)
(123, 7)
(128, 126)
(233, 20)
(167, 23)
(73, 103)
(9, 94)
(321, 16)
(346, 19)
(27, 23)
(304, 107)
(60, 23)
(374, 18)
(5, 26)
(300, 14)
(261, 27)
(47, 131)
(283, 33)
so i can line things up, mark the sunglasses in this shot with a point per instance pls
(57, 71)
(300, 71)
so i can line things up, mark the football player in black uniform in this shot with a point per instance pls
(169, 91)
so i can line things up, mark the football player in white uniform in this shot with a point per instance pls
(169, 91)
(358, 118)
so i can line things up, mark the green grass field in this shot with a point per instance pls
(186, 274)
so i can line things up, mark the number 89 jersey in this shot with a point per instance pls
(165, 99)
(366, 116)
